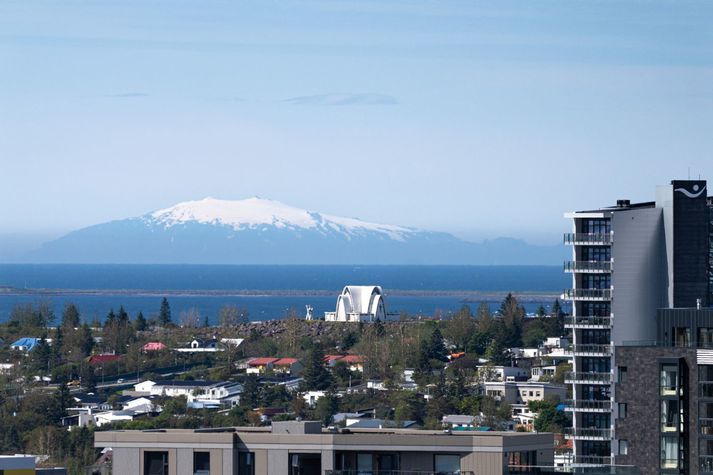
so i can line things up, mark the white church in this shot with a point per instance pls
(359, 303)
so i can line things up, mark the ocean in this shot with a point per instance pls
(269, 292)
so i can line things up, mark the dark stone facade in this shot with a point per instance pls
(640, 391)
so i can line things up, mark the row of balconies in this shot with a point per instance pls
(589, 350)
(590, 267)
(584, 239)
(586, 405)
(586, 377)
(587, 294)
(589, 433)
(591, 322)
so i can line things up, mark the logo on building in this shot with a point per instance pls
(694, 194)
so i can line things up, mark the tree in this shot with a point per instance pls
(140, 322)
(315, 374)
(513, 317)
(326, 407)
(41, 355)
(495, 414)
(250, 397)
(190, 318)
(164, 314)
(70, 316)
(549, 418)
(557, 322)
(86, 340)
(437, 349)
(232, 315)
(460, 328)
(89, 380)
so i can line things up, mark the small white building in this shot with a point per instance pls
(359, 303)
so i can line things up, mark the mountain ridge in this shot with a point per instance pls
(261, 231)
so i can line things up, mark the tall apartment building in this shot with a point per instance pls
(628, 261)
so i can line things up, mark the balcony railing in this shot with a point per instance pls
(586, 377)
(602, 350)
(586, 294)
(586, 322)
(579, 239)
(588, 433)
(588, 266)
(395, 472)
(587, 405)
(705, 463)
(593, 460)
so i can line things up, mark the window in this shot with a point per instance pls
(246, 463)
(622, 410)
(594, 420)
(623, 447)
(155, 463)
(669, 452)
(682, 336)
(365, 463)
(621, 374)
(596, 253)
(447, 463)
(705, 337)
(201, 463)
(669, 380)
(596, 226)
(669, 415)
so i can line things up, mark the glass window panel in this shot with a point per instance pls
(669, 380)
(669, 452)
(447, 464)
(155, 463)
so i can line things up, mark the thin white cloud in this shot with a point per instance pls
(350, 99)
(128, 95)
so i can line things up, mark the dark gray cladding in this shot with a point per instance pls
(138, 241)
(690, 242)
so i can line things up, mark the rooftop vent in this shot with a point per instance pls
(623, 203)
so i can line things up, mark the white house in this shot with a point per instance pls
(197, 393)
(359, 303)
(311, 397)
(200, 345)
(502, 373)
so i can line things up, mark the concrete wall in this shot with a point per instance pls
(126, 460)
(637, 279)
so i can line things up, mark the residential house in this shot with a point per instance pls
(25, 344)
(201, 345)
(353, 362)
(263, 365)
(153, 346)
(103, 359)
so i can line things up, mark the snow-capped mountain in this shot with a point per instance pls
(253, 213)
(260, 231)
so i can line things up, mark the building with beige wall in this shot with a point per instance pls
(305, 448)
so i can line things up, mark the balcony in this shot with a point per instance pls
(591, 322)
(581, 377)
(587, 294)
(586, 405)
(588, 267)
(592, 460)
(579, 239)
(589, 350)
(588, 433)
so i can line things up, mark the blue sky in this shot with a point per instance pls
(480, 118)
